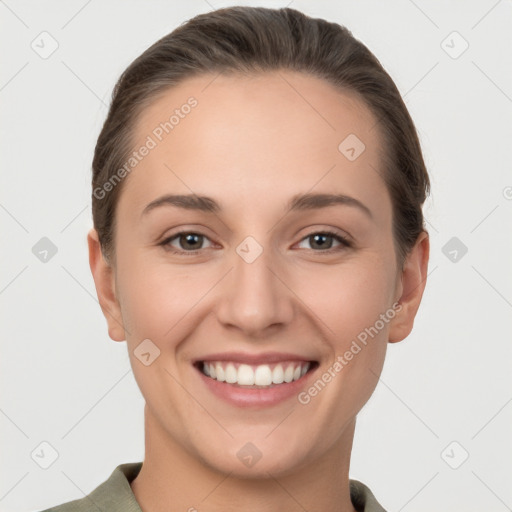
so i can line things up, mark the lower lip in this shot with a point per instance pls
(242, 396)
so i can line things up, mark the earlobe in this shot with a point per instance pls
(414, 279)
(103, 275)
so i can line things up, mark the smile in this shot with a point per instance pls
(264, 375)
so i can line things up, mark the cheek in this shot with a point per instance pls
(350, 301)
(348, 298)
(156, 296)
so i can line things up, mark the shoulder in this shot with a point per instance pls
(71, 506)
(363, 499)
(113, 495)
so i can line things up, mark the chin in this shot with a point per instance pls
(254, 460)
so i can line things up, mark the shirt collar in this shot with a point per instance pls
(116, 495)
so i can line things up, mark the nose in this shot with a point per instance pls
(254, 296)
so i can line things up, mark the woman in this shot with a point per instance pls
(258, 240)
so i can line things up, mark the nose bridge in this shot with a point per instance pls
(254, 297)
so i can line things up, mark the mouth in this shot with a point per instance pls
(256, 376)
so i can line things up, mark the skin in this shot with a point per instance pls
(251, 144)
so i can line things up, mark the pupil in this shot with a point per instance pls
(189, 239)
(316, 237)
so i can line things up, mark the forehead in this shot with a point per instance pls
(268, 136)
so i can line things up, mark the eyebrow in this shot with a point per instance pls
(299, 202)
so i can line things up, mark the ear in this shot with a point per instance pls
(104, 279)
(410, 289)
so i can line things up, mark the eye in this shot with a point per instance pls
(320, 239)
(186, 240)
(190, 242)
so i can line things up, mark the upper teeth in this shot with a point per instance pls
(260, 375)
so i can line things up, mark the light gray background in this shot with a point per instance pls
(66, 383)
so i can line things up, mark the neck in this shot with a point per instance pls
(171, 478)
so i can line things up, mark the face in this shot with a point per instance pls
(288, 261)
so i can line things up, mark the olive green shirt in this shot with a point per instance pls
(115, 495)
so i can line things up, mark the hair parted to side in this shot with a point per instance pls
(253, 40)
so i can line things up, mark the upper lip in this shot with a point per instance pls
(255, 359)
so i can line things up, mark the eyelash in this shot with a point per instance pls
(345, 243)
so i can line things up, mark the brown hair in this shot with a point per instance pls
(257, 39)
